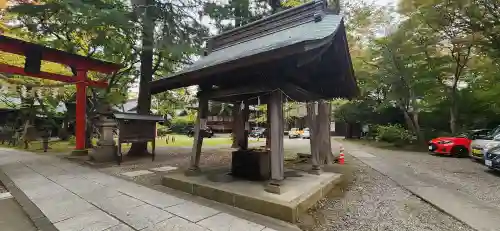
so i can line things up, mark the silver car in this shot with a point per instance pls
(481, 145)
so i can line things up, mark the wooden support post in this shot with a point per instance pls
(313, 139)
(235, 125)
(246, 126)
(268, 126)
(81, 111)
(239, 126)
(201, 120)
(323, 124)
(277, 151)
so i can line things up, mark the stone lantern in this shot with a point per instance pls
(105, 150)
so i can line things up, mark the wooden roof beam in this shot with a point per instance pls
(231, 92)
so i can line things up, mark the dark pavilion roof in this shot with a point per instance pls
(271, 52)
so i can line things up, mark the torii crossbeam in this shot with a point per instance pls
(35, 53)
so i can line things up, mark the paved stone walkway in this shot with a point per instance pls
(73, 197)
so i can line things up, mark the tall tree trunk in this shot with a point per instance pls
(412, 121)
(414, 118)
(418, 130)
(144, 100)
(453, 112)
(408, 119)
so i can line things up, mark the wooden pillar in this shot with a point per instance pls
(268, 125)
(245, 114)
(201, 121)
(235, 125)
(323, 124)
(239, 126)
(277, 151)
(313, 139)
(81, 111)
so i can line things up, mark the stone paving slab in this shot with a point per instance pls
(192, 212)
(91, 220)
(226, 222)
(79, 186)
(176, 224)
(164, 169)
(152, 197)
(40, 191)
(143, 216)
(63, 207)
(120, 227)
(116, 204)
(136, 173)
(73, 197)
(103, 192)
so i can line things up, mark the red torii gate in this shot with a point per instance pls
(35, 53)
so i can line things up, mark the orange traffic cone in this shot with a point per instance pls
(341, 156)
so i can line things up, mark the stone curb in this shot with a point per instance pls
(41, 222)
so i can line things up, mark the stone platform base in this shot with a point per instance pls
(297, 193)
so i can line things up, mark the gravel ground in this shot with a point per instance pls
(374, 202)
(461, 174)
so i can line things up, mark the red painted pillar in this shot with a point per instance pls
(81, 105)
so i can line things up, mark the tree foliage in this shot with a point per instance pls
(432, 60)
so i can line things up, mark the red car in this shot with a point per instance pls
(455, 146)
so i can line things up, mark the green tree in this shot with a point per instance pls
(180, 36)
(444, 19)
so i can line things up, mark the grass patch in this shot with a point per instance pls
(36, 146)
(185, 141)
(180, 141)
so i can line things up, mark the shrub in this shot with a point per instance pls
(433, 133)
(162, 130)
(179, 124)
(72, 140)
(63, 134)
(394, 134)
